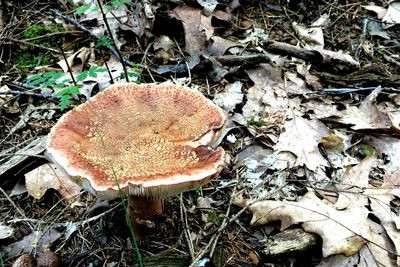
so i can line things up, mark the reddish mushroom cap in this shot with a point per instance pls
(152, 138)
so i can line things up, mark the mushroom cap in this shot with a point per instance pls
(153, 139)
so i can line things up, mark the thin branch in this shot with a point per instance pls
(186, 230)
(66, 62)
(31, 44)
(113, 40)
(52, 34)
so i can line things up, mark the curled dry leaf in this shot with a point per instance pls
(366, 116)
(379, 10)
(5, 231)
(49, 176)
(76, 61)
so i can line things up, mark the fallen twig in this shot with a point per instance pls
(365, 90)
(31, 44)
(186, 231)
(19, 93)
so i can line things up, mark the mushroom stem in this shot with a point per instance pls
(142, 208)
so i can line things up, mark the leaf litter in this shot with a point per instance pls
(298, 152)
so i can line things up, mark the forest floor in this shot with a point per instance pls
(311, 93)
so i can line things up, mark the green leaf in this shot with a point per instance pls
(107, 8)
(104, 41)
(252, 122)
(213, 217)
(64, 101)
(71, 90)
(117, 3)
(63, 83)
(94, 70)
(34, 77)
(82, 76)
(83, 9)
(38, 81)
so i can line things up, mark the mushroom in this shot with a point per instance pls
(151, 141)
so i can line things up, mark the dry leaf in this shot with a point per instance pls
(36, 241)
(231, 97)
(208, 6)
(392, 16)
(76, 61)
(380, 11)
(204, 202)
(197, 27)
(47, 176)
(301, 137)
(365, 117)
(389, 147)
(344, 226)
(340, 231)
(218, 45)
(268, 95)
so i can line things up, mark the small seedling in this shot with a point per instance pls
(45, 80)
(367, 150)
(199, 191)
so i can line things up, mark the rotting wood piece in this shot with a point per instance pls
(289, 241)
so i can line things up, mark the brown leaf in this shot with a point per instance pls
(367, 116)
(37, 240)
(47, 176)
(197, 28)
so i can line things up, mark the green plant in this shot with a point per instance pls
(30, 57)
(213, 217)
(199, 190)
(133, 76)
(252, 122)
(40, 30)
(108, 6)
(367, 150)
(66, 95)
(29, 60)
(52, 78)
(92, 72)
(104, 41)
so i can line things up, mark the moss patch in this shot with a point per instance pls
(31, 57)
